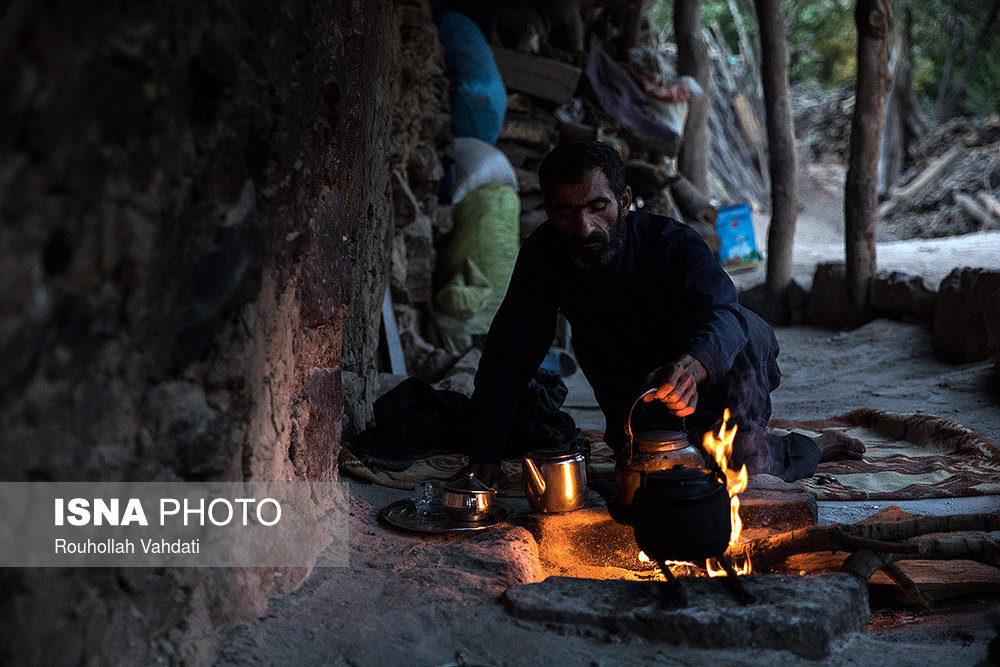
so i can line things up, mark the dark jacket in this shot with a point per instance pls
(667, 296)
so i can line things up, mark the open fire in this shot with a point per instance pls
(720, 447)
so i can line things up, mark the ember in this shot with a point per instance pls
(679, 568)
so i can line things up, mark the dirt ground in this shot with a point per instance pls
(434, 600)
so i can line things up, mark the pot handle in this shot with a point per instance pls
(628, 420)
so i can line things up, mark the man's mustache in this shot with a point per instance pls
(595, 237)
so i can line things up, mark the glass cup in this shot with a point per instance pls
(428, 498)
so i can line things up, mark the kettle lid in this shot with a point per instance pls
(469, 484)
(555, 455)
(661, 440)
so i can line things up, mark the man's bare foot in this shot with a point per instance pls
(837, 446)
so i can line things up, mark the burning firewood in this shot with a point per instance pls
(879, 545)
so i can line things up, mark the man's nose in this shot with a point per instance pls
(584, 224)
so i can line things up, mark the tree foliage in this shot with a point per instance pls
(823, 43)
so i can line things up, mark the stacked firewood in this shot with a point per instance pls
(951, 181)
(952, 185)
(823, 123)
(545, 109)
(882, 542)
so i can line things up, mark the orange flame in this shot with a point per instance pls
(679, 568)
(721, 448)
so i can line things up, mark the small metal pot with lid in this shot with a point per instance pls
(650, 451)
(468, 500)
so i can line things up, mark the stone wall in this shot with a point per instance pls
(196, 209)
(967, 315)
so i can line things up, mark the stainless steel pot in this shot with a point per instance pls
(555, 480)
(468, 500)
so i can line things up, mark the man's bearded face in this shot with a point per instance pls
(600, 249)
(590, 220)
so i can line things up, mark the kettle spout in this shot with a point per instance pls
(620, 513)
(536, 483)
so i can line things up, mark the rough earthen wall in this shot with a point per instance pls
(194, 217)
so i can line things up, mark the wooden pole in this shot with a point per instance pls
(692, 59)
(873, 19)
(781, 150)
(954, 98)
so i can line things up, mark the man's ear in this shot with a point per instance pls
(626, 199)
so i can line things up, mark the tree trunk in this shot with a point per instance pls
(692, 59)
(893, 150)
(781, 148)
(904, 122)
(633, 20)
(949, 66)
(954, 98)
(873, 19)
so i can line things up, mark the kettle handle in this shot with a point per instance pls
(628, 420)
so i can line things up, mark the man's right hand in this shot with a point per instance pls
(677, 385)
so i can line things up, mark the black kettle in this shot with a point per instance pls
(677, 514)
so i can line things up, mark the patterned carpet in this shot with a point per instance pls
(908, 456)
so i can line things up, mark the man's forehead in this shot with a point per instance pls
(593, 186)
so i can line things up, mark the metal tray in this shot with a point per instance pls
(403, 514)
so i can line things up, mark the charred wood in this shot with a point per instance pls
(903, 581)
(887, 537)
(865, 563)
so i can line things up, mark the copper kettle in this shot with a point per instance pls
(650, 451)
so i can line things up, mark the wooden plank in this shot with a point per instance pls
(543, 78)
(990, 202)
(749, 122)
(529, 129)
(933, 170)
(972, 209)
(937, 579)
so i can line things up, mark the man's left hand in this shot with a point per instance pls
(677, 385)
(489, 474)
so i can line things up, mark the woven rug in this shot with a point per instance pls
(908, 457)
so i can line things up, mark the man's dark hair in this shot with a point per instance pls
(570, 163)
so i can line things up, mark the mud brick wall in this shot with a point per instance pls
(194, 220)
